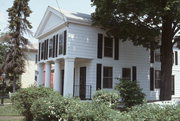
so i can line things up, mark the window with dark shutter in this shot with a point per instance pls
(157, 56)
(61, 42)
(42, 51)
(47, 48)
(98, 76)
(116, 49)
(157, 78)
(36, 59)
(65, 39)
(107, 77)
(39, 54)
(151, 56)
(56, 52)
(54, 46)
(151, 79)
(126, 73)
(108, 47)
(134, 73)
(176, 58)
(99, 46)
(50, 47)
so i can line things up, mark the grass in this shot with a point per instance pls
(8, 110)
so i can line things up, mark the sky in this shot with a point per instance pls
(39, 7)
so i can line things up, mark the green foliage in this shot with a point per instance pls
(154, 112)
(130, 92)
(109, 97)
(60, 108)
(24, 98)
(8, 110)
(139, 21)
(19, 25)
(143, 22)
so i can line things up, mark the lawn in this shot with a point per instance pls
(9, 113)
(8, 110)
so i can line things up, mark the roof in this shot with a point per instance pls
(65, 16)
(74, 15)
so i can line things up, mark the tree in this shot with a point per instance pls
(14, 63)
(142, 21)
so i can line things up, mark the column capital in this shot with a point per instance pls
(69, 59)
(57, 61)
(47, 62)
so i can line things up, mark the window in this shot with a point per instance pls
(126, 73)
(107, 77)
(61, 38)
(42, 51)
(157, 57)
(50, 48)
(157, 78)
(108, 47)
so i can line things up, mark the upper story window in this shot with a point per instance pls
(61, 43)
(42, 51)
(126, 73)
(157, 56)
(107, 77)
(157, 78)
(50, 47)
(108, 47)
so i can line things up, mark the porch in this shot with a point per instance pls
(68, 76)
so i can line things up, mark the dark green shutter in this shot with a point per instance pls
(99, 46)
(151, 79)
(98, 76)
(116, 49)
(65, 39)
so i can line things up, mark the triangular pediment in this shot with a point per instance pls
(51, 20)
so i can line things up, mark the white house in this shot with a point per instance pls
(84, 59)
(29, 76)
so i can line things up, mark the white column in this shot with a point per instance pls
(40, 75)
(68, 77)
(57, 76)
(48, 75)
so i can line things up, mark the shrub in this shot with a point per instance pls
(130, 92)
(109, 97)
(154, 112)
(69, 109)
(54, 108)
(24, 98)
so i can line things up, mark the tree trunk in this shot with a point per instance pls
(166, 60)
(14, 83)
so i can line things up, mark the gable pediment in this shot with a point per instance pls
(51, 20)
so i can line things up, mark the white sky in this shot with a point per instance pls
(39, 7)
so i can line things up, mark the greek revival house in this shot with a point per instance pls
(76, 58)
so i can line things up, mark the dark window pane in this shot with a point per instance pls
(108, 47)
(157, 56)
(126, 73)
(157, 78)
(107, 77)
(61, 38)
(50, 48)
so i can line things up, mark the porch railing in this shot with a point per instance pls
(82, 91)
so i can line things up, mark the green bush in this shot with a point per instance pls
(109, 97)
(130, 92)
(69, 109)
(154, 112)
(24, 98)
(54, 108)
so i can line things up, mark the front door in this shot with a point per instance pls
(82, 90)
